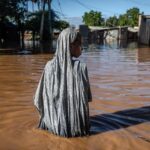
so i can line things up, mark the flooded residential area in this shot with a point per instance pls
(62, 104)
(119, 113)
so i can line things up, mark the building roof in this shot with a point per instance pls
(146, 16)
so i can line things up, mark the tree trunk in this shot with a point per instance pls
(42, 22)
(33, 36)
(50, 18)
(50, 24)
(22, 39)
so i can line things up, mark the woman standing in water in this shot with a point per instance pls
(63, 91)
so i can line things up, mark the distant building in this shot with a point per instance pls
(93, 33)
(133, 33)
(144, 29)
(118, 33)
(84, 30)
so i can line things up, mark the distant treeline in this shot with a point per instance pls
(16, 17)
(95, 18)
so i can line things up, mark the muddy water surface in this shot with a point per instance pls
(120, 111)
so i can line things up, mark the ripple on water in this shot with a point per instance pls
(119, 112)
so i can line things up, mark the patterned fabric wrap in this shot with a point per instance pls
(63, 92)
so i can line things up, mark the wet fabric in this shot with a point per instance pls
(63, 92)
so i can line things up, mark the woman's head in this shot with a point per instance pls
(75, 46)
(68, 44)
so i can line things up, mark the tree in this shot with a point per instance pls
(33, 23)
(9, 8)
(13, 11)
(34, 20)
(93, 18)
(130, 18)
(43, 4)
(60, 24)
(112, 21)
(123, 20)
(133, 16)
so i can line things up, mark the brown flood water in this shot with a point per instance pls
(120, 111)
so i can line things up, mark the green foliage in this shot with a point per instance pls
(112, 21)
(34, 20)
(60, 24)
(123, 20)
(130, 17)
(12, 9)
(93, 18)
(133, 16)
(33, 23)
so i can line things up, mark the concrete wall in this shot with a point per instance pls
(144, 29)
(84, 30)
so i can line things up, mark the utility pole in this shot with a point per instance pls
(42, 20)
(50, 18)
(44, 2)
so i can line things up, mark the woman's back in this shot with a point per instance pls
(63, 93)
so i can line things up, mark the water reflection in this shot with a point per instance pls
(29, 47)
(143, 55)
(113, 44)
(130, 49)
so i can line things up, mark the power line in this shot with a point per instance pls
(60, 8)
(59, 5)
(93, 7)
(82, 4)
(139, 3)
(59, 12)
(55, 7)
